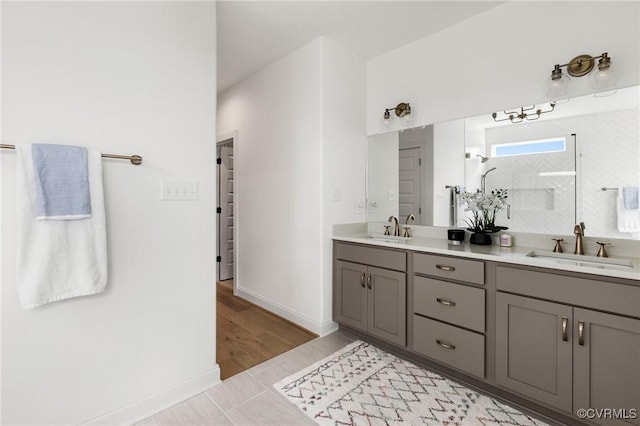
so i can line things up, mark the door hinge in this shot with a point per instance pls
(218, 160)
(419, 210)
(419, 161)
(219, 259)
(219, 210)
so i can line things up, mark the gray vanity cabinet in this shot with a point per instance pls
(534, 349)
(567, 355)
(606, 362)
(563, 341)
(371, 298)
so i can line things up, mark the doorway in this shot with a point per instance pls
(409, 185)
(225, 209)
(246, 334)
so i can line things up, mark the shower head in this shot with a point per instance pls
(483, 159)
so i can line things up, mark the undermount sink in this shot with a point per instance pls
(388, 238)
(582, 260)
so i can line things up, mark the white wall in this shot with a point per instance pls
(124, 78)
(301, 144)
(500, 59)
(344, 149)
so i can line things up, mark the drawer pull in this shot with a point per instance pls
(445, 345)
(369, 281)
(446, 268)
(362, 279)
(565, 323)
(581, 333)
(445, 302)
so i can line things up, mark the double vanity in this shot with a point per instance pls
(550, 333)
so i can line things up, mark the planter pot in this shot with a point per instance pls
(480, 238)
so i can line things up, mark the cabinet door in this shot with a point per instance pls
(351, 296)
(533, 349)
(607, 363)
(387, 305)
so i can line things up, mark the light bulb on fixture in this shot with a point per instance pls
(407, 118)
(385, 121)
(557, 85)
(605, 76)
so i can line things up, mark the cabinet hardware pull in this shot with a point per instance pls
(362, 279)
(445, 302)
(445, 345)
(446, 268)
(565, 323)
(581, 333)
(369, 281)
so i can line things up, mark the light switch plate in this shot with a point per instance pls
(179, 191)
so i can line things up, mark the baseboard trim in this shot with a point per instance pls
(146, 407)
(321, 329)
(328, 328)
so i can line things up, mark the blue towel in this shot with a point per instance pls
(630, 197)
(61, 180)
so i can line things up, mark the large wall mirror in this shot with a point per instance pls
(568, 166)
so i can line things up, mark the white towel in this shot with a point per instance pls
(59, 259)
(628, 219)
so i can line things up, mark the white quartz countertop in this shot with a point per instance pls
(514, 255)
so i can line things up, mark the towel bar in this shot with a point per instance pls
(604, 188)
(136, 160)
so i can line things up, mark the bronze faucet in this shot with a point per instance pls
(396, 228)
(578, 230)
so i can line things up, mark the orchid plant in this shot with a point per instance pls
(483, 208)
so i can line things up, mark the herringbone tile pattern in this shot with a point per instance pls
(607, 155)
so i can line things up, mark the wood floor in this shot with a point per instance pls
(248, 335)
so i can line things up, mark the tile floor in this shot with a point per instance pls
(249, 398)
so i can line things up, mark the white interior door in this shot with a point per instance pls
(225, 215)
(409, 190)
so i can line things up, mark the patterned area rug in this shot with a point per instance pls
(363, 385)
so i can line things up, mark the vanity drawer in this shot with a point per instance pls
(453, 303)
(389, 259)
(449, 345)
(605, 296)
(471, 271)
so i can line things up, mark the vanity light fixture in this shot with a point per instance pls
(402, 110)
(525, 113)
(557, 85)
